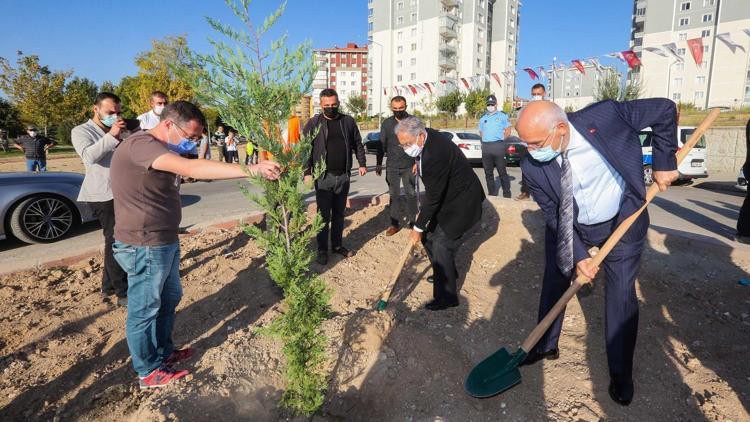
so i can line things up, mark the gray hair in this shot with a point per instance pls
(554, 115)
(410, 125)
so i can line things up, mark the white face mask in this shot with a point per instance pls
(32, 133)
(536, 97)
(491, 109)
(413, 150)
(158, 109)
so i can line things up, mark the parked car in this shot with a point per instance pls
(41, 207)
(515, 149)
(469, 143)
(692, 167)
(372, 142)
(741, 181)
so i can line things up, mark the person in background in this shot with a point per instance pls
(151, 118)
(220, 138)
(399, 168)
(231, 142)
(4, 143)
(145, 172)
(251, 152)
(204, 148)
(743, 221)
(95, 142)
(494, 127)
(293, 127)
(538, 92)
(34, 147)
(336, 140)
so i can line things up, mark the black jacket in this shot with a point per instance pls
(453, 194)
(351, 136)
(397, 158)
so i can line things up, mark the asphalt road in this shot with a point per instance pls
(707, 209)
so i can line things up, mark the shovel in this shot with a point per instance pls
(499, 371)
(383, 302)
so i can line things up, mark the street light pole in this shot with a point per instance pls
(380, 97)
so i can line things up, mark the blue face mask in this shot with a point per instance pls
(185, 146)
(546, 153)
(109, 120)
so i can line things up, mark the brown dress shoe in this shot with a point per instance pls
(523, 196)
(392, 230)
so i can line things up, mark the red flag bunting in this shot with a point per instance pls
(427, 84)
(466, 83)
(385, 93)
(497, 78)
(631, 58)
(413, 89)
(531, 73)
(578, 65)
(696, 49)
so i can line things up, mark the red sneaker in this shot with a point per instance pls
(179, 356)
(160, 377)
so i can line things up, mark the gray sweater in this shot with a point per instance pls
(95, 148)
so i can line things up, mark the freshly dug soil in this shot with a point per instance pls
(64, 357)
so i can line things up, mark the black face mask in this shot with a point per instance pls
(400, 114)
(331, 112)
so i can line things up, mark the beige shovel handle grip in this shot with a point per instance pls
(615, 237)
(397, 271)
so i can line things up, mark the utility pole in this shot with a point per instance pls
(380, 96)
(713, 51)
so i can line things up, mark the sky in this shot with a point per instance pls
(99, 39)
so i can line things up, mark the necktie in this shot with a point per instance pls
(565, 218)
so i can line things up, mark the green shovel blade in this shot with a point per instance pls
(495, 374)
(381, 305)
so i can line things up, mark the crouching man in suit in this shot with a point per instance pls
(452, 203)
(585, 171)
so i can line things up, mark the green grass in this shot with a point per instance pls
(58, 150)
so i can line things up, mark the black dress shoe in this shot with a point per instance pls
(535, 357)
(439, 305)
(621, 391)
(322, 257)
(346, 253)
(430, 279)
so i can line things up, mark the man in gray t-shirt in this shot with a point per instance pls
(145, 174)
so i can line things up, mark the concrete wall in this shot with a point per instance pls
(726, 149)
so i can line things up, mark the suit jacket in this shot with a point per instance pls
(352, 138)
(612, 129)
(453, 194)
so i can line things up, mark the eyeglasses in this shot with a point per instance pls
(184, 133)
(539, 144)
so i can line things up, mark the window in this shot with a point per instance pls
(479, 63)
(400, 5)
(400, 20)
(512, 23)
(679, 66)
(413, 17)
(481, 33)
(684, 21)
(413, 46)
(353, 74)
(512, 9)
(413, 61)
(705, 49)
(698, 95)
(369, 12)
(707, 3)
(481, 3)
(414, 32)
(685, 6)
(708, 17)
(480, 17)
(413, 3)
(400, 49)
(676, 96)
(680, 52)
(399, 35)
(369, 26)
(704, 64)
(413, 76)
(399, 78)
(479, 48)
(682, 36)
(640, 12)
(677, 81)
(700, 80)
(705, 33)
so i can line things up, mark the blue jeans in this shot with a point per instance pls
(154, 292)
(36, 164)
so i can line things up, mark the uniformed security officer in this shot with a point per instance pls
(494, 127)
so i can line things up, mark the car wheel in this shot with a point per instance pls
(42, 219)
(648, 176)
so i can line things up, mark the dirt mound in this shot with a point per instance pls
(64, 355)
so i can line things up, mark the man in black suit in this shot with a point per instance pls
(452, 203)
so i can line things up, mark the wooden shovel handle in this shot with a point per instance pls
(397, 271)
(615, 237)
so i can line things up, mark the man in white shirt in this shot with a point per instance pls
(151, 118)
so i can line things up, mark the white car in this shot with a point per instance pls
(692, 167)
(469, 143)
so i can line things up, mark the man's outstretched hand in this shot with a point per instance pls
(267, 169)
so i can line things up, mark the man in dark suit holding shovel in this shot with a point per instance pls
(452, 203)
(585, 171)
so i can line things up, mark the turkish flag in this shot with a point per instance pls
(497, 78)
(631, 58)
(578, 65)
(427, 84)
(413, 89)
(466, 83)
(696, 49)
(531, 73)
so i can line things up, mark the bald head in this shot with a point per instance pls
(538, 119)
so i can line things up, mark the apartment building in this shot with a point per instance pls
(343, 69)
(573, 90)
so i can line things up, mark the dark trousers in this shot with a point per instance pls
(621, 304)
(331, 205)
(743, 222)
(252, 158)
(493, 158)
(223, 153)
(114, 279)
(441, 249)
(395, 177)
(232, 157)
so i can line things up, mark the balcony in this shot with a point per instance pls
(447, 62)
(448, 27)
(448, 49)
(449, 3)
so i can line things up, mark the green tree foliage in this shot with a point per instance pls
(356, 105)
(156, 73)
(36, 91)
(77, 107)
(476, 102)
(609, 87)
(450, 102)
(10, 119)
(254, 89)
